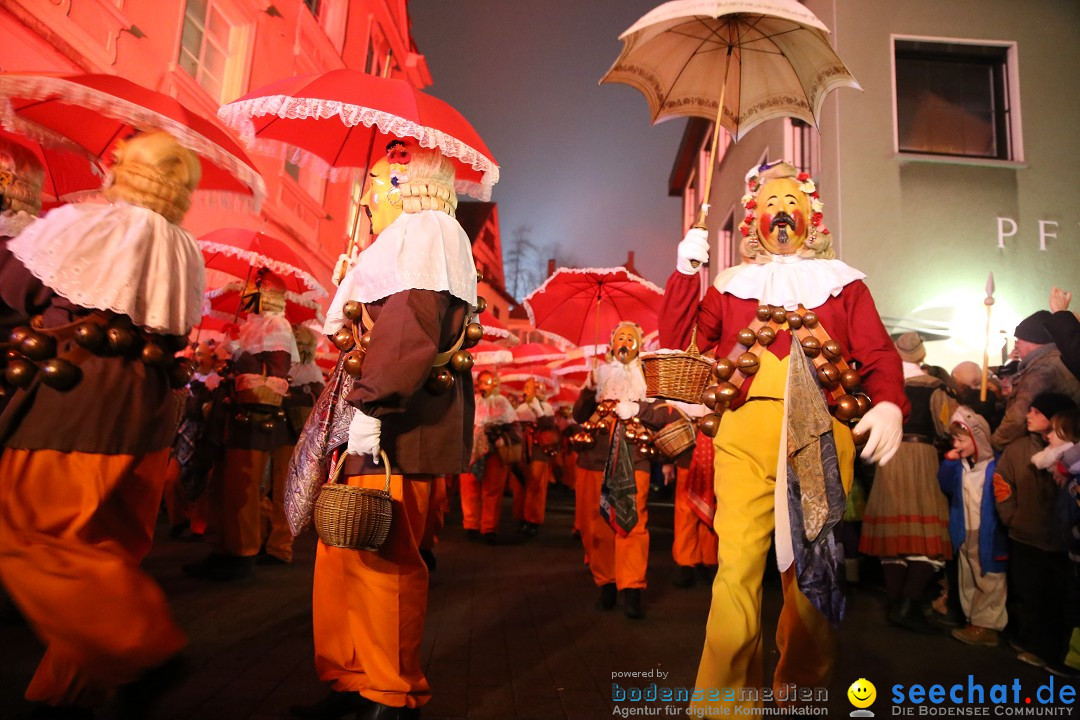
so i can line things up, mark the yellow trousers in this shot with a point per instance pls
(747, 448)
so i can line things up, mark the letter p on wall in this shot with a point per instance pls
(1002, 222)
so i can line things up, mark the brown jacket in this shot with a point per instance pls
(422, 433)
(121, 406)
(595, 458)
(250, 433)
(1030, 511)
(1040, 372)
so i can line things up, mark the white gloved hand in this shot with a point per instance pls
(694, 247)
(626, 409)
(343, 265)
(885, 423)
(364, 435)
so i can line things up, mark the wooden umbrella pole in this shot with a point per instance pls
(986, 357)
(715, 141)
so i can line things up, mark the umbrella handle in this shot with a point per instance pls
(704, 212)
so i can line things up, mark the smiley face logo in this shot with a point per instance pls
(862, 693)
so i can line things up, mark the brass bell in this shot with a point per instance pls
(479, 277)
(630, 434)
(794, 320)
(779, 315)
(365, 341)
(748, 363)
(811, 346)
(440, 381)
(829, 375)
(474, 333)
(727, 392)
(353, 310)
(19, 334)
(154, 354)
(850, 378)
(587, 441)
(710, 397)
(174, 343)
(603, 409)
(461, 361)
(860, 438)
(864, 403)
(643, 451)
(20, 372)
(279, 414)
(832, 350)
(353, 362)
(709, 424)
(766, 335)
(181, 372)
(90, 336)
(645, 435)
(119, 339)
(746, 337)
(763, 313)
(242, 417)
(343, 340)
(588, 425)
(723, 369)
(847, 408)
(37, 346)
(59, 374)
(268, 425)
(481, 304)
(810, 319)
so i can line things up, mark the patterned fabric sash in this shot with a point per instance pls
(618, 494)
(700, 490)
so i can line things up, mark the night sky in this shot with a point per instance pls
(581, 164)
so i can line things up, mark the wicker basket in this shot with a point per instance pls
(678, 375)
(259, 395)
(352, 517)
(675, 438)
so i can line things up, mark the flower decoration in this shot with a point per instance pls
(807, 186)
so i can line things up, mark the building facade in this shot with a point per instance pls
(209, 52)
(957, 160)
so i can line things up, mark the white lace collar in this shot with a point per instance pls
(788, 281)
(11, 224)
(305, 374)
(427, 250)
(121, 258)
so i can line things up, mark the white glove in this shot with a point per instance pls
(885, 423)
(694, 247)
(364, 435)
(344, 263)
(626, 409)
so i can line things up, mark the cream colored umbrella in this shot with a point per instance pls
(735, 62)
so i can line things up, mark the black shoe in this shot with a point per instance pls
(473, 535)
(944, 620)
(706, 573)
(333, 706)
(268, 559)
(632, 604)
(377, 711)
(608, 595)
(684, 577)
(140, 698)
(221, 568)
(429, 559)
(529, 529)
(908, 614)
(491, 538)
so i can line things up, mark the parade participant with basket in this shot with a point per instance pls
(785, 326)
(496, 447)
(399, 408)
(540, 445)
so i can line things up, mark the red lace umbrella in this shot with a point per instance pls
(333, 121)
(513, 379)
(487, 355)
(94, 111)
(228, 303)
(493, 329)
(584, 306)
(68, 169)
(239, 251)
(536, 353)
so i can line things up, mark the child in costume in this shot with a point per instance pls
(785, 325)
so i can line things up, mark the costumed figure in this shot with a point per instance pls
(402, 394)
(782, 462)
(21, 179)
(496, 446)
(249, 428)
(540, 443)
(109, 292)
(614, 471)
(906, 520)
(306, 383)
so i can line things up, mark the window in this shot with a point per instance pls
(803, 147)
(380, 58)
(955, 99)
(204, 45)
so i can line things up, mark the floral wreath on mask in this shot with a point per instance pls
(748, 227)
(398, 155)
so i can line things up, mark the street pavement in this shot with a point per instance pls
(511, 633)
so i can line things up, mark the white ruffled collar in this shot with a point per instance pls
(427, 250)
(305, 374)
(121, 258)
(11, 224)
(788, 281)
(267, 332)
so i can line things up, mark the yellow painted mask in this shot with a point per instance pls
(783, 216)
(381, 199)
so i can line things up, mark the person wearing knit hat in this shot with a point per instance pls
(911, 348)
(1040, 371)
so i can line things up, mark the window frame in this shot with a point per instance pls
(238, 53)
(1010, 93)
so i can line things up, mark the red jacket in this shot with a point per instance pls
(850, 318)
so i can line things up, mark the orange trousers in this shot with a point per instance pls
(695, 542)
(279, 539)
(368, 607)
(73, 529)
(481, 500)
(234, 498)
(539, 477)
(585, 492)
(436, 519)
(614, 558)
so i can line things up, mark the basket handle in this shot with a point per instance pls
(693, 348)
(335, 474)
